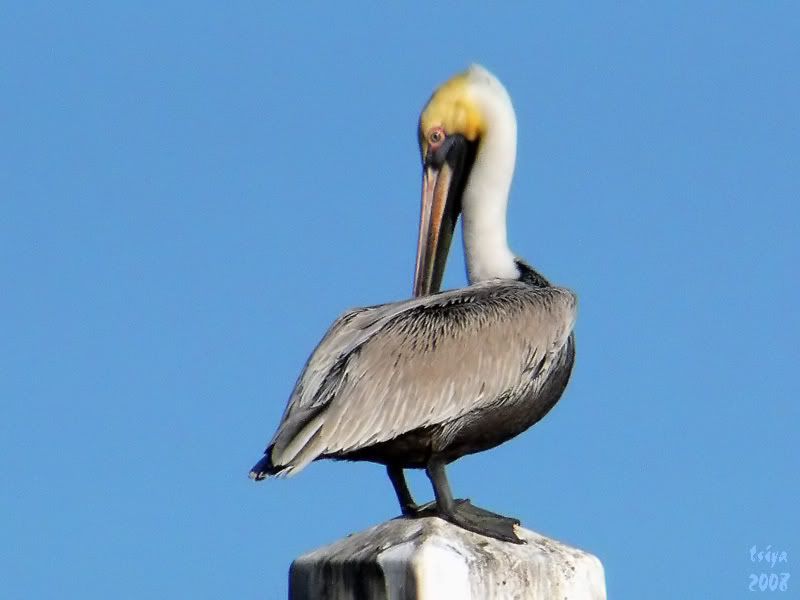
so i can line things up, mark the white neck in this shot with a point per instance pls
(485, 199)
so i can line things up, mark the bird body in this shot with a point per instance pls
(448, 374)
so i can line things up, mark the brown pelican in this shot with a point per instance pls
(423, 382)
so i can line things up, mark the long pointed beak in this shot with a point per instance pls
(440, 208)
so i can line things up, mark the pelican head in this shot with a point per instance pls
(467, 139)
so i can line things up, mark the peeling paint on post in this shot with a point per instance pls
(430, 559)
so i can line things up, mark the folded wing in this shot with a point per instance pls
(383, 371)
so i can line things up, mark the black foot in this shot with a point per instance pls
(475, 519)
(465, 506)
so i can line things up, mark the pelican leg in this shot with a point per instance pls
(441, 488)
(464, 514)
(408, 507)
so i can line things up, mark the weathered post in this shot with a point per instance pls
(430, 559)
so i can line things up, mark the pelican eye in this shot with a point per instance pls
(436, 136)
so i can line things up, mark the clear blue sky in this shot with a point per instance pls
(191, 194)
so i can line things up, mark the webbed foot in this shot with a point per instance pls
(478, 520)
(458, 512)
(475, 519)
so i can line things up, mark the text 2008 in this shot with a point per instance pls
(769, 582)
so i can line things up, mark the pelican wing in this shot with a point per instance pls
(386, 370)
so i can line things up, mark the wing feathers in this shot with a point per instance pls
(385, 370)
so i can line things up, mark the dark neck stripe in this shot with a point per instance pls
(531, 276)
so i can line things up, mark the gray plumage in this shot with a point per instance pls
(446, 375)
